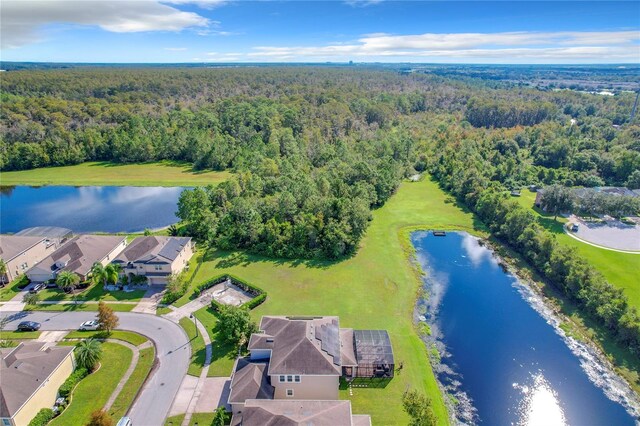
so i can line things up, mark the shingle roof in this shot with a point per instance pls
(153, 249)
(250, 381)
(46, 231)
(347, 353)
(12, 245)
(300, 345)
(81, 252)
(24, 370)
(294, 413)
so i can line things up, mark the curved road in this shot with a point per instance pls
(173, 353)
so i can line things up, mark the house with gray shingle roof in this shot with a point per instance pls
(301, 360)
(78, 256)
(156, 257)
(31, 375)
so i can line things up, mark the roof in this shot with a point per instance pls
(46, 231)
(300, 345)
(347, 352)
(153, 249)
(250, 381)
(293, 413)
(12, 246)
(24, 370)
(80, 253)
(373, 347)
(361, 420)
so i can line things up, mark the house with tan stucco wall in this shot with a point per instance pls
(31, 375)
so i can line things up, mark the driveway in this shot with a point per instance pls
(614, 234)
(173, 352)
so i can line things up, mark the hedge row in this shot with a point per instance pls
(72, 381)
(259, 295)
(43, 417)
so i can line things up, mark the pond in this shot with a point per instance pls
(88, 208)
(503, 355)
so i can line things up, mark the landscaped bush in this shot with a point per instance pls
(176, 288)
(138, 279)
(43, 417)
(24, 281)
(72, 381)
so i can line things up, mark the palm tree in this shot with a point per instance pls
(88, 353)
(98, 273)
(67, 281)
(112, 273)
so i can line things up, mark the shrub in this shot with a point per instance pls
(72, 381)
(176, 288)
(43, 417)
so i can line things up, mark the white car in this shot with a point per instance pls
(89, 325)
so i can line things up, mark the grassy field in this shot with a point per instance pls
(19, 335)
(94, 390)
(9, 291)
(126, 336)
(375, 289)
(223, 355)
(95, 292)
(130, 389)
(198, 351)
(163, 173)
(81, 307)
(621, 269)
(174, 420)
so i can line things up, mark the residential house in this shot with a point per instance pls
(303, 413)
(78, 256)
(26, 248)
(301, 359)
(31, 375)
(156, 258)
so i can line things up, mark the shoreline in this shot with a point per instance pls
(593, 359)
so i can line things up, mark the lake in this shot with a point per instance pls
(503, 357)
(88, 208)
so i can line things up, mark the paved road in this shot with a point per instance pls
(172, 345)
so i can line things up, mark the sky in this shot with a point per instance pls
(220, 31)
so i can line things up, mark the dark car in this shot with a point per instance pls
(29, 326)
(36, 288)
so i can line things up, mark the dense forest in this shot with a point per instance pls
(314, 150)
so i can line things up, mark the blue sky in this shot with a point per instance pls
(320, 31)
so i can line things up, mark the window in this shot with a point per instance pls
(289, 379)
(281, 379)
(289, 392)
(6, 422)
(158, 267)
(297, 379)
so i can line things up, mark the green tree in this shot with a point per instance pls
(88, 353)
(67, 281)
(236, 325)
(557, 199)
(100, 418)
(418, 406)
(3, 272)
(634, 180)
(219, 417)
(31, 298)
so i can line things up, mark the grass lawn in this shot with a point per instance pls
(164, 173)
(95, 292)
(198, 351)
(94, 390)
(19, 335)
(375, 289)
(10, 290)
(194, 264)
(223, 355)
(163, 310)
(127, 336)
(203, 419)
(84, 307)
(616, 267)
(133, 385)
(174, 420)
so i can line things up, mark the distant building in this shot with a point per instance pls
(295, 367)
(31, 375)
(26, 248)
(156, 257)
(582, 192)
(78, 256)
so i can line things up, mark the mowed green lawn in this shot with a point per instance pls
(164, 173)
(620, 269)
(375, 289)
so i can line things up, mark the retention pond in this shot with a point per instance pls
(504, 357)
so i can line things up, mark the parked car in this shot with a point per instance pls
(29, 326)
(89, 325)
(575, 227)
(125, 421)
(36, 288)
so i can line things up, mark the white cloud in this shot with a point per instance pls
(21, 21)
(522, 46)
